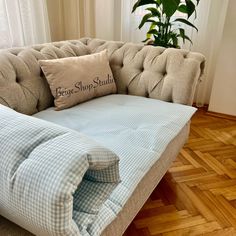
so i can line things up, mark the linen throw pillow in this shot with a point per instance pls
(73, 80)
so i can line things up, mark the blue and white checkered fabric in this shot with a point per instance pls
(137, 129)
(42, 165)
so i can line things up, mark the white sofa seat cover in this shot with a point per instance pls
(136, 129)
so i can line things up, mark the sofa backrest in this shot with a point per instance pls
(166, 74)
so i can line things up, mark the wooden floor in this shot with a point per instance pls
(197, 196)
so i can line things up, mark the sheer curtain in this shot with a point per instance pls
(130, 22)
(210, 22)
(71, 19)
(23, 22)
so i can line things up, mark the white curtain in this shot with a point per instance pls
(107, 18)
(210, 22)
(130, 22)
(23, 22)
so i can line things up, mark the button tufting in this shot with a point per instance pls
(38, 104)
(133, 69)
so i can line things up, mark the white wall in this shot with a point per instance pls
(223, 96)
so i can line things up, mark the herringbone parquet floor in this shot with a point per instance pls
(197, 196)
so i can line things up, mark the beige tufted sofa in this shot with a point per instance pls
(155, 72)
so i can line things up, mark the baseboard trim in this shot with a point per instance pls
(203, 107)
(221, 115)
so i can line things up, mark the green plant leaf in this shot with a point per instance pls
(158, 23)
(145, 40)
(140, 3)
(153, 31)
(152, 26)
(186, 22)
(182, 34)
(183, 8)
(160, 32)
(144, 20)
(186, 37)
(153, 21)
(158, 42)
(170, 7)
(154, 11)
(190, 7)
(174, 38)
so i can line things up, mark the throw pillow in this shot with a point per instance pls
(73, 80)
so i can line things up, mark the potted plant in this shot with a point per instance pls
(166, 30)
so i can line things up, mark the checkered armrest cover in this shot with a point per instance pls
(42, 165)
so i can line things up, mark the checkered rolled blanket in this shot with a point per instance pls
(42, 168)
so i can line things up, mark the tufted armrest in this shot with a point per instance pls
(166, 74)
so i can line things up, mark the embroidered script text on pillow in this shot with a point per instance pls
(80, 86)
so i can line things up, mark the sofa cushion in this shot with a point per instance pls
(137, 129)
(77, 79)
